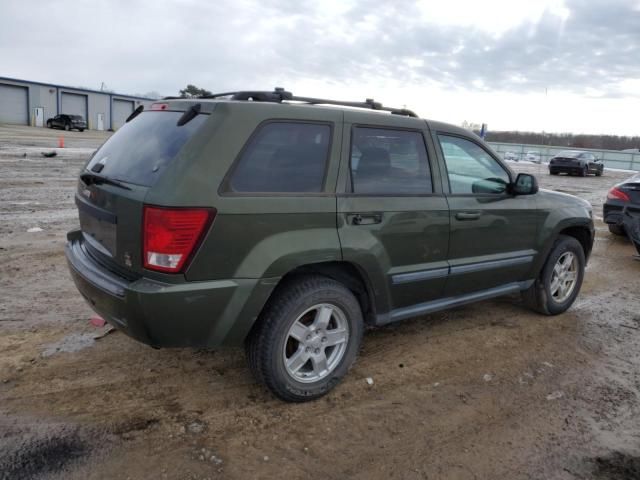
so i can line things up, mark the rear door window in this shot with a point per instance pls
(139, 151)
(389, 162)
(283, 157)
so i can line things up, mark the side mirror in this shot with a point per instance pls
(525, 184)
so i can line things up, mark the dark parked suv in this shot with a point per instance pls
(68, 122)
(287, 224)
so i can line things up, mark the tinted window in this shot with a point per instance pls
(140, 150)
(470, 168)
(389, 162)
(285, 157)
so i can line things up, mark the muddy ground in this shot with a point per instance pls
(486, 391)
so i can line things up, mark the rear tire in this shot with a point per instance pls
(559, 282)
(81, 129)
(291, 347)
(599, 173)
(49, 125)
(585, 171)
(617, 229)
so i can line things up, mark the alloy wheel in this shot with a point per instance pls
(564, 277)
(316, 343)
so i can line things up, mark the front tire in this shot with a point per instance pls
(306, 339)
(585, 171)
(559, 282)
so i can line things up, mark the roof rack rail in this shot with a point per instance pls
(280, 95)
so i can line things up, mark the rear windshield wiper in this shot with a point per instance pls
(189, 115)
(134, 114)
(92, 178)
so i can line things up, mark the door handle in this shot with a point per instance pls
(365, 218)
(467, 216)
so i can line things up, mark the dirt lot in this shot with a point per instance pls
(487, 391)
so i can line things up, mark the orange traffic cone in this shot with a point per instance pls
(61, 142)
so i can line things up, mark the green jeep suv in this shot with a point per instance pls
(288, 224)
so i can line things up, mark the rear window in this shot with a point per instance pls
(139, 151)
(283, 157)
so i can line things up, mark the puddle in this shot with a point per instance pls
(616, 466)
(36, 457)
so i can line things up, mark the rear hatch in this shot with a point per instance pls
(115, 182)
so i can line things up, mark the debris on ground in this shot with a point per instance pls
(97, 321)
(106, 331)
(369, 380)
(196, 427)
(555, 395)
(49, 154)
(487, 377)
(34, 230)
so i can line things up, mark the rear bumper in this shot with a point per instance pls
(631, 222)
(565, 169)
(612, 212)
(191, 314)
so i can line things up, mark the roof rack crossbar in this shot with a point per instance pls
(280, 95)
(368, 103)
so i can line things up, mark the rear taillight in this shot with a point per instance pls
(616, 194)
(170, 236)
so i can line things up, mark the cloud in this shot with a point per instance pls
(585, 47)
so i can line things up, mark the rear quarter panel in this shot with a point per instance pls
(253, 235)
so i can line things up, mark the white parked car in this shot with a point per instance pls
(511, 156)
(533, 156)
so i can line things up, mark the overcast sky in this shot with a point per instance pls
(543, 65)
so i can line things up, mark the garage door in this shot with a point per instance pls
(74, 104)
(121, 110)
(14, 107)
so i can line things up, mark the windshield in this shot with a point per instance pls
(140, 150)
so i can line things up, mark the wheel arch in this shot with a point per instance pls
(582, 234)
(347, 273)
(581, 231)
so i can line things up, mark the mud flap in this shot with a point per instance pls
(631, 222)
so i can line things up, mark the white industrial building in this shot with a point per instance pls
(24, 102)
